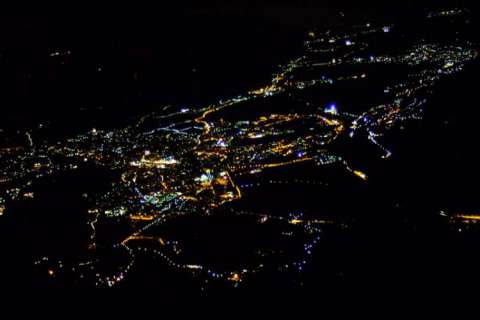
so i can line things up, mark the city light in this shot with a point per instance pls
(179, 163)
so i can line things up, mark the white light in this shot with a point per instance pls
(331, 109)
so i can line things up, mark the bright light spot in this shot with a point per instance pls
(253, 135)
(296, 221)
(331, 109)
(235, 277)
(360, 174)
(194, 266)
(221, 143)
(448, 65)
